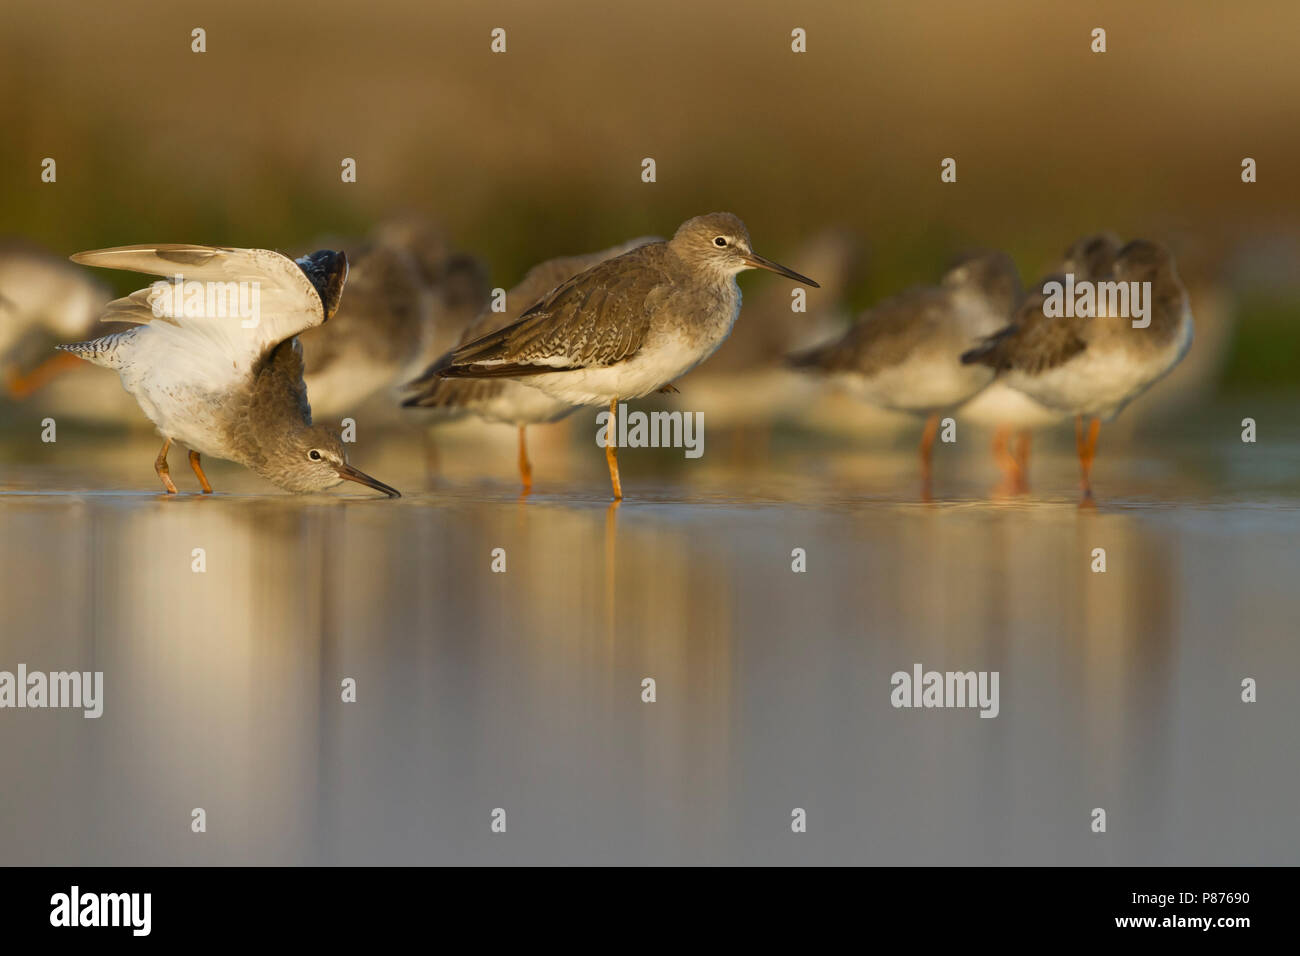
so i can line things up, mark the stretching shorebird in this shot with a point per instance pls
(501, 399)
(1013, 415)
(905, 353)
(214, 360)
(41, 296)
(1092, 366)
(628, 326)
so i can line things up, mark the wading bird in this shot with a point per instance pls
(628, 326)
(1092, 366)
(214, 361)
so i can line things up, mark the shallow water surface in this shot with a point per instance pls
(522, 690)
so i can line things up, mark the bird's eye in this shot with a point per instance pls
(314, 455)
(720, 241)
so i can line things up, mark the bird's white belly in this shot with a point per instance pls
(1000, 404)
(188, 415)
(656, 365)
(518, 404)
(920, 385)
(1100, 383)
(186, 401)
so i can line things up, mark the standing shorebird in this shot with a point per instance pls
(1093, 366)
(1012, 414)
(214, 360)
(41, 296)
(626, 327)
(501, 399)
(905, 353)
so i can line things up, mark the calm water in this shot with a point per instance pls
(522, 690)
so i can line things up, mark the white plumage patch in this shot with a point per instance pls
(1000, 404)
(214, 347)
(181, 365)
(660, 362)
(1101, 382)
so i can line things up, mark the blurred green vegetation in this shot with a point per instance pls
(1265, 352)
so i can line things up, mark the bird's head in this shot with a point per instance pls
(1092, 257)
(313, 459)
(720, 242)
(1143, 261)
(990, 277)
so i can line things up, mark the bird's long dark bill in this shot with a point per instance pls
(360, 477)
(758, 262)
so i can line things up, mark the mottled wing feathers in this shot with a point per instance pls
(1033, 342)
(540, 280)
(883, 337)
(275, 402)
(438, 392)
(280, 377)
(594, 319)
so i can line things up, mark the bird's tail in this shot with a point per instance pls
(989, 350)
(107, 350)
(433, 393)
(813, 359)
(427, 382)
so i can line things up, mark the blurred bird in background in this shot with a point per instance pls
(905, 353)
(1092, 366)
(44, 300)
(1011, 413)
(407, 292)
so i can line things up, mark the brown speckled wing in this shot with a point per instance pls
(1033, 342)
(279, 392)
(595, 319)
(275, 403)
(883, 337)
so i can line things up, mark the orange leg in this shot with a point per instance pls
(1021, 455)
(198, 470)
(927, 444)
(525, 469)
(20, 385)
(1087, 448)
(160, 466)
(1013, 479)
(611, 451)
(927, 448)
(1023, 443)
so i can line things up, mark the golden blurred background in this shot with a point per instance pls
(537, 151)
